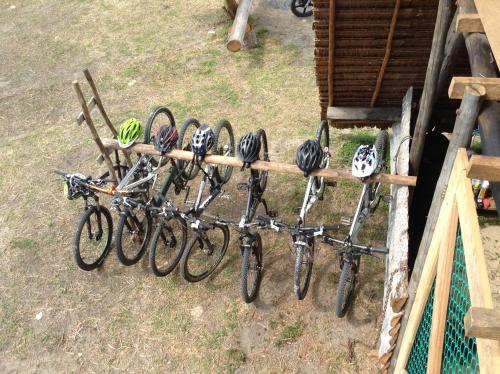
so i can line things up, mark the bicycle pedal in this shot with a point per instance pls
(346, 221)
(331, 183)
(272, 213)
(243, 186)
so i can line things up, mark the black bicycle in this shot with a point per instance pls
(209, 242)
(92, 238)
(302, 8)
(134, 192)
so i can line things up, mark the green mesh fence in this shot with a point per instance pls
(459, 351)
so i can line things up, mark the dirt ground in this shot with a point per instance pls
(57, 318)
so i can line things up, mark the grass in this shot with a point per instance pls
(27, 245)
(289, 334)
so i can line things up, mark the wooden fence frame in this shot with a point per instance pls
(458, 206)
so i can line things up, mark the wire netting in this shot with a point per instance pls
(459, 351)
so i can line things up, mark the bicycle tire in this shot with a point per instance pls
(193, 245)
(261, 134)
(189, 168)
(148, 131)
(296, 4)
(225, 175)
(154, 266)
(347, 282)
(125, 223)
(381, 145)
(299, 288)
(323, 137)
(84, 218)
(254, 252)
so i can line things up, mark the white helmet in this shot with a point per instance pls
(365, 162)
(202, 140)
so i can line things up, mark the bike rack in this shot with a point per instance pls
(280, 167)
(85, 116)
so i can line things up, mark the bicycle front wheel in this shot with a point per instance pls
(251, 268)
(167, 245)
(347, 282)
(323, 138)
(224, 146)
(204, 252)
(302, 8)
(264, 156)
(159, 116)
(92, 239)
(303, 269)
(188, 168)
(132, 235)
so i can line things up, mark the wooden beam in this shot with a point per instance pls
(387, 54)
(415, 310)
(331, 51)
(442, 293)
(430, 94)
(280, 167)
(484, 167)
(489, 11)
(364, 114)
(458, 84)
(239, 28)
(91, 104)
(482, 323)
(469, 22)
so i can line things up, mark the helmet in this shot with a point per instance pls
(72, 189)
(309, 156)
(249, 148)
(202, 140)
(364, 162)
(165, 138)
(129, 132)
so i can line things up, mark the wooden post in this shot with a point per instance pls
(239, 28)
(331, 51)
(461, 136)
(442, 293)
(429, 94)
(92, 128)
(230, 6)
(483, 65)
(482, 323)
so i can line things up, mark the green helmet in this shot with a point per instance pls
(129, 132)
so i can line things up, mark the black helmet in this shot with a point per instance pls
(249, 148)
(165, 138)
(309, 156)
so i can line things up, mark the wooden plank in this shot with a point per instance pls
(477, 273)
(91, 104)
(387, 54)
(458, 85)
(370, 114)
(489, 11)
(428, 273)
(430, 94)
(237, 33)
(442, 293)
(482, 323)
(484, 167)
(469, 22)
(331, 51)
(280, 167)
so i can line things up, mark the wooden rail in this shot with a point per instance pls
(280, 167)
(482, 323)
(484, 167)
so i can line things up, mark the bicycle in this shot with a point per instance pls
(96, 218)
(302, 8)
(350, 254)
(209, 242)
(134, 227)
(303, 245)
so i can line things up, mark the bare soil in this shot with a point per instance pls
(57, 318)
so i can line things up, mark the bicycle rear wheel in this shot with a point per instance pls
(132, 235)
(204, 252)
(92, 239)
(263, 156)
(302, 8)
(251, 268)
(159, 116)
(188, 168)
(224, 146)
(323, 137)
(347, 283)
(167, 245)
(303, 269)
